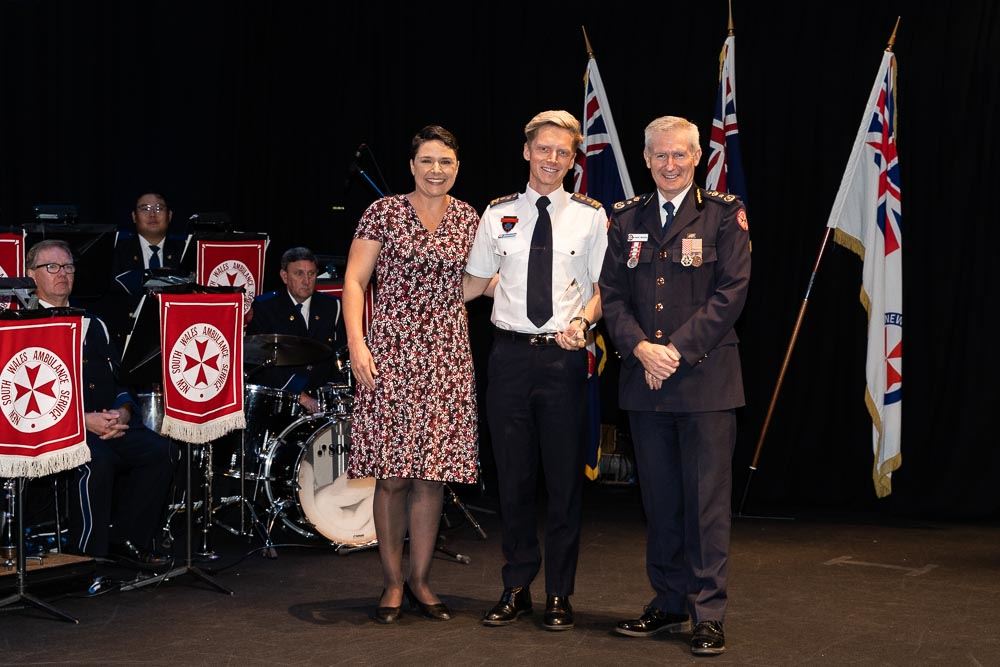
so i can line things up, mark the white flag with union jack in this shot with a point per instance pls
(867, 219)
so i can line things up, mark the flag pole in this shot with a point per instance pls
(792, 341)
(732, 29)
(586, 41)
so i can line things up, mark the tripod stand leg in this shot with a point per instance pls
(454, 555)
(16, 496)
(455, 500)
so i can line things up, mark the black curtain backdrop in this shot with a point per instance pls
(258, 108)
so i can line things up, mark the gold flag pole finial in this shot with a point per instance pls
(732, 28)
(586, 41)
(892, 38)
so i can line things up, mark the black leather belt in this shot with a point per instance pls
(530, 339)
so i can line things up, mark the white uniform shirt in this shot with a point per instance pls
(305, 307)
(147, 253)
(579, 240)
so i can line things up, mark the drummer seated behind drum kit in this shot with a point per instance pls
(298, 396)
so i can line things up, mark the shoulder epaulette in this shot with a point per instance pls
(584, 199)
(505, 199)
(719, 197)
(628, 203)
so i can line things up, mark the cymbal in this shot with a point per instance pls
(283, 350)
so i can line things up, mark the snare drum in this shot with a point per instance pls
(151, 410)
(306, 483)
(268, 412)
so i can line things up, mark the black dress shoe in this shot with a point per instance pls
(438, 611)
(652, 622)
(387, 615)
(558, 613)
(708, 638)
(132, 555)
(513, 603)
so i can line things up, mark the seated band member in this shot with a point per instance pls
(117, 499)
(298, 310)
(149, 248)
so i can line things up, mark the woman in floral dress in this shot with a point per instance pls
(414, 418)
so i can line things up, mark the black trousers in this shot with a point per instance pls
(685, 463)
(120, 495)
(534, 403)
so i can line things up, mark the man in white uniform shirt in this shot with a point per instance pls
(546, 246)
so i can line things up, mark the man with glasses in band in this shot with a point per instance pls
(118, 498)
(547, 246)
(150, 248)
(673, 284)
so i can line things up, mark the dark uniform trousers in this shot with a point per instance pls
(120, 494)
(535, 400)
(684, 462)
(128, 478)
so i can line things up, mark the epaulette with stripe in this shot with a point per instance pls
(584, 199)
(719, 197)
(505, 199)
(628, 203)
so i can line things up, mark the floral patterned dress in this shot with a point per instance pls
(420, 420)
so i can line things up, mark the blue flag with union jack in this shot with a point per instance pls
(725, 161)
(867, 218)
(600, 173)
(600, 170)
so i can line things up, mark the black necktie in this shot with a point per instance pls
(154, 259)
(540, 267)
(669, 208)
(298, 307)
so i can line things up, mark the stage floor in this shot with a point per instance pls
(857, 591)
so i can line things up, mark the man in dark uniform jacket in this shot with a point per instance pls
(149, 248)
(298, 310)
(674, 282)
(118, 498)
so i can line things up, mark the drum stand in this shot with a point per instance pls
(248, 514)
(457, 502)
(16, 497)
(188, 567)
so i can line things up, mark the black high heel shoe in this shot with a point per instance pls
(437, 612)
(387, 615)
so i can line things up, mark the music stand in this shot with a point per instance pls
(17, 495)
(141, 363)
(93, 249)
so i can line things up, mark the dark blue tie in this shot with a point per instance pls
(154, 259)
(669, 208)
(298, 307)
(540, 267)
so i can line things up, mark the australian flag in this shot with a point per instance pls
(725, 162)
(600, 172)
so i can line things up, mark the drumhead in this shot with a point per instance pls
(306, 483)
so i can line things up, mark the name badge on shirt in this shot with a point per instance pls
(637, 237)
(507, 236)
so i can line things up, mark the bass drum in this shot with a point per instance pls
(306, 483)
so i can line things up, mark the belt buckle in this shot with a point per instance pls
(541, 339)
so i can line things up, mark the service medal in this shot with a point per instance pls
(633, 254)
(686, 260)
